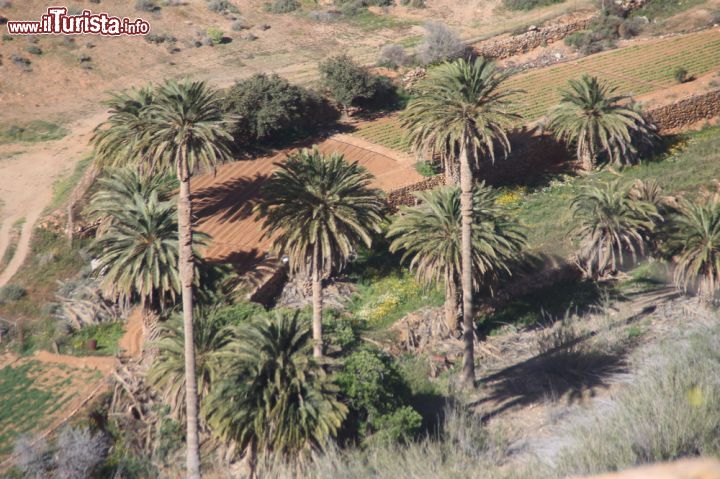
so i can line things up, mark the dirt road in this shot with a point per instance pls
(28, 173)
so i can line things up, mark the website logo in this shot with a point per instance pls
(57, 22)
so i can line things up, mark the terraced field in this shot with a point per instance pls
(34, 394)
(634, 70)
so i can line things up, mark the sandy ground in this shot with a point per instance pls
(27, 179)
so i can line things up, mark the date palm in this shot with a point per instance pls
(275, 398)
(137, 253)
(461, 113)
(697, 233)
(183, 130)
(318, 209)
(610, 222)
(597, 121)
(120, 188)
(430, 236)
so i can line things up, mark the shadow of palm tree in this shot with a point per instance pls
(231, 200)
(571, 370)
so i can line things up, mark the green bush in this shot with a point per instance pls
(681, 75)
(215, 35)
(378, 396)
(146, 6)
(348, 82)
(282, 6)
(11, 292)
(414, 3)
(528, 4)
(270, 110)
(34, 50)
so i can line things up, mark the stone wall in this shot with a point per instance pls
(499, 48)
(687, 111)
(404, 196)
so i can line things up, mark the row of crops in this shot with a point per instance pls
(634, 70)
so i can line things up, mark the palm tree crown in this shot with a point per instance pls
(597, 121)
(316, 201)
(137, 254)
(697, 233)
(429, 234)
(275, 398)
(610, 221)
(118, 140)
(460, 105)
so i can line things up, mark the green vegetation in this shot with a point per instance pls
(31, 393)
(461, 114)
(659, 9)
(268, 110)
(429, 234)
(319, 209)
(106, 336)
(349, 83)
(598, 122)
(528, 4)
(35, 131)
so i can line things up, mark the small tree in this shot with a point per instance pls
(78, 454)
(347, 81)
(440, 44)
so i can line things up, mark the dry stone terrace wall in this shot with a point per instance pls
(404, 196)
(523, 43)
(686, 111)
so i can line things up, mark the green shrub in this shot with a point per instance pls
(681, 75)
(393, 56)
(34, 50)
(282, 6)
(414, 3)
(270, 110)
(215, 35)
(378, 396)
(346, 81)
(221, 6)
(426, 168)
(528, 4)
(11, 292)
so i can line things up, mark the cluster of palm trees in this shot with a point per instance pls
(260, 387)
(616, 223)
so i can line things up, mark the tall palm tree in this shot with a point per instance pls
(697, 233)
(137, 253)
(610, 222)
(183, 130)
(461, 113)
(597, 121)
(275, 398)
(430, 234)
(319, 209)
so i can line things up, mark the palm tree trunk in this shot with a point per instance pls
(317, 303)
(187, 271)
(451, 321)
(466, 211)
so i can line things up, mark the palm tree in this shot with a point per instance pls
(275, 397)
(319, 209)
(118, 191)
(137, 253)
(167, 373)
(430, 232)
(609, 222)
(697, 233)
(461, 114)
(597, 121)
(183, 130)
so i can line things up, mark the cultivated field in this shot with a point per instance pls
(35, 394)
(635, 70)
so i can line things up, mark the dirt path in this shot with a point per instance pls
(27, 179)
(134, 337)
